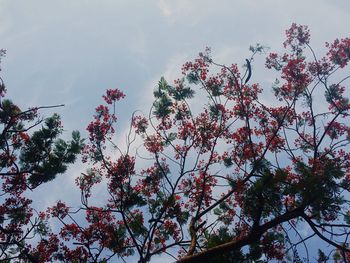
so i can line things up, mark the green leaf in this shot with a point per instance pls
(255, 251)
(192, 78)
(228, 161)
(322, 258)
(217, 211)
(171, 137)
(183, 217)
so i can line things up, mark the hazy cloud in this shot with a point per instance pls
(164, 7)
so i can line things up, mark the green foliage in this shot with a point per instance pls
(163, 101)
(136, 225)
(337, 256)
(45, 155)
(317, 190)
(265, 192)
(216, 90)
(332, 94)
(192, 78)
(16, 212)
(222, 236)
(258, 48)
(228, 162)
(30, 155)
(255, 251)
(170, 138)
(9, 111)
(181, 94)
(134, 198)
(42, 228)
(118, 238)
(182, 218)
(215, 112)
(320, 190)
(165, 94)
(322, 258)
(217, 211)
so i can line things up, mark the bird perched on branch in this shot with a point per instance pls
(249, 69)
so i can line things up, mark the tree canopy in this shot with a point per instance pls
(220, 170)
(31, 154)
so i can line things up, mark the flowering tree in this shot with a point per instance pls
(231, 180)
(30, 156)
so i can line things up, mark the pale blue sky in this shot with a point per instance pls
(70, 51)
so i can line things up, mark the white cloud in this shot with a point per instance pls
(164, 7)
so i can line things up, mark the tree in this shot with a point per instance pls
(231, 180)
(30, 156)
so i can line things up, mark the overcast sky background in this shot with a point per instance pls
(71, 51)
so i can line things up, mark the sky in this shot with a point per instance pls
(71, 51)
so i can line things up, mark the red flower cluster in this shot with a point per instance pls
(339, 51)
(113, 95)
